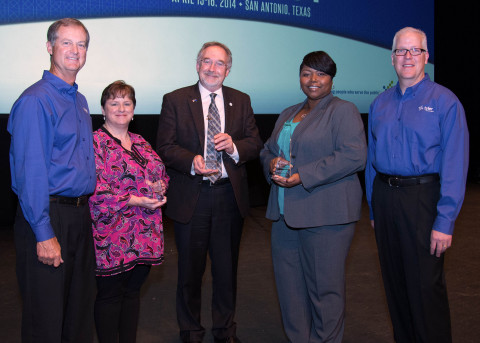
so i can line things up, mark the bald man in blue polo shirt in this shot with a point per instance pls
(415, 181)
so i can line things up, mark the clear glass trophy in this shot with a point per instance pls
(213, 164)
(283, 167)
(156, 188)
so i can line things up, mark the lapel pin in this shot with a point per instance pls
(230, 104)
(194, 100)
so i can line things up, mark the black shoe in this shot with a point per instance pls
(233, 339)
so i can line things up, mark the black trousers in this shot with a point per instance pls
(57, 302)
(216, 229)
(414, 279)
(117, 306)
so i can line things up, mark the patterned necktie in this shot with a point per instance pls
(214, 127)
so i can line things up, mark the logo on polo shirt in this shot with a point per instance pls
(425, 108)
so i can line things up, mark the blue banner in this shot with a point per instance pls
(374, 21)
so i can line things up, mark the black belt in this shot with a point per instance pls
(219, 182)
(405, 181)
(77, 202)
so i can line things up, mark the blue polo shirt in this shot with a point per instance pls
(422, 131)
(51, 150)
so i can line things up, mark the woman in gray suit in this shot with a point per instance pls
(315, 204)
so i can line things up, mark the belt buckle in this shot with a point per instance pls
(390, 181)
(78, 201)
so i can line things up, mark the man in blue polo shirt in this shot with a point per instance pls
(53, 172)
(415, 180)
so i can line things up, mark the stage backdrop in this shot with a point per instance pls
(152, 44)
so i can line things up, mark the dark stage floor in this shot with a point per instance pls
(258, 314)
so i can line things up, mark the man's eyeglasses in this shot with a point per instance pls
(208, 62)
(413, 51)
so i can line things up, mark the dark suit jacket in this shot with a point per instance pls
(181, 136)
(328, 148)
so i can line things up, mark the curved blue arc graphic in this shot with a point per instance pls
(374, 21)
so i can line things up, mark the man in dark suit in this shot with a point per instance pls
(207, 201)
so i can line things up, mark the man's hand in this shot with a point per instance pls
(199, 166)
(440, 242)
(223, 141)
(49, 252)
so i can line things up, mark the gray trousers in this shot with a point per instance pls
(309, 266)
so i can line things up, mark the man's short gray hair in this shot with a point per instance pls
(221, 45)
(410, 29)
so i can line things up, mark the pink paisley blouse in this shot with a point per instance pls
(125, 236)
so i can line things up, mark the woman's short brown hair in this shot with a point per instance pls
(118, 89)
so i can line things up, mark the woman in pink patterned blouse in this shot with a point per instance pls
(127, 219)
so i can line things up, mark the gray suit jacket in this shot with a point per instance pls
(328, 148)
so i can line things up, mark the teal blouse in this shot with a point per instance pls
(284, 139)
